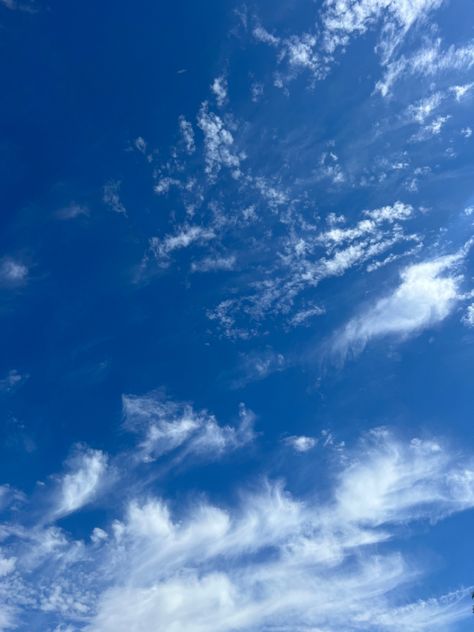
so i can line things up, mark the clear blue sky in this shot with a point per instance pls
(236, 315)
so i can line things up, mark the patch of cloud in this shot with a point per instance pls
(305, 315)
(300, 443)
(340, 22)
(262, 35)
(219, 144)
(391, 213)
(82, 483)
(258, 365)
(427, 62)
(176, 429)
(219, 89)
(272, 559)
(187, 133)
(307, 258)
(12, 381)
(330, 168)
(345, 18)
(426, 295)
(163, 247)
(423, 109)
(12, 273)
(213, 264)
(164, 185)
(300, 51)
(256, 91)
(468, 318)
(461, 91)
(111, 197)
(291, 557)
(72, 211)
(432, 129)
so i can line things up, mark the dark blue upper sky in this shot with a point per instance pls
(237, 315)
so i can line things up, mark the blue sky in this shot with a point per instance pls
(237, 315)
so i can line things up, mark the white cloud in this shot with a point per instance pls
(271, 559)
(72, 211)
(187, 133)
(301, 53)
(213, 264)
(262, 35)
(421, 110)
(219, 144)
(162, 248)
(427, 62)
(12, 380)
(301, 264)
(111, 196)
(257, 365)
(300, 443)
(391, 213)
(432, 129)
(219, 89)
(461, 91)
(330, 168)
(469, 316)
(12, 273)
(344, 18)
(256, 91)
(7, 565)
(304, 315)
(280, 562)
(425, 296)
(168, 427)
(80, 486)
(164, 185)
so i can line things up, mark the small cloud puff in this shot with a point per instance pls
(300, 443)
(219, 89)
(12, 273)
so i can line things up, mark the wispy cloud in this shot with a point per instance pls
(427, 62)
(176, 429)
(72, 211)
(273, 559)
(12, 381)
(213, 264)
(162, 248)
(81, 484)
(111, 197)
(426, 295)
(12, 272)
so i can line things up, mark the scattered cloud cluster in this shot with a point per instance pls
(427, 62)
(272, 559)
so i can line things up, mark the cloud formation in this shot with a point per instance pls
(426, 295)
(176, 429)
(81, 484)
